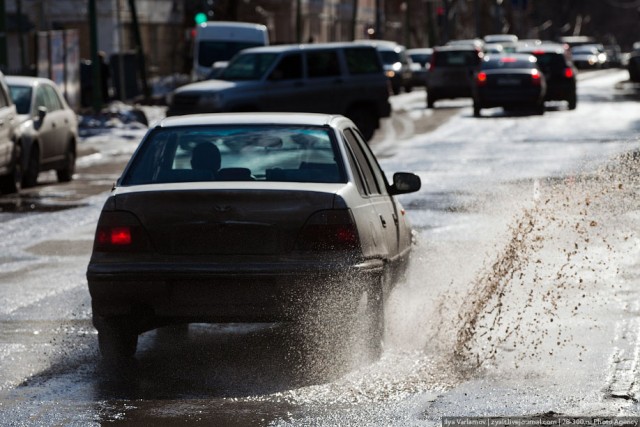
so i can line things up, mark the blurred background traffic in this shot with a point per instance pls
(144, 48)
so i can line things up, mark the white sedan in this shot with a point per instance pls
(248, 218)
(48, 131)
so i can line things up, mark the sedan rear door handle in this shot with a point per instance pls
(384, 223)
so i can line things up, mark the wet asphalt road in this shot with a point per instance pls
(476, 241)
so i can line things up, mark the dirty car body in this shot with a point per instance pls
(290, 204)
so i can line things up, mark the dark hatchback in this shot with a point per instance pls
(248, 217)
(559, 71)
(511, 81)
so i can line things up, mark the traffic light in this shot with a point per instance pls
(200, 18)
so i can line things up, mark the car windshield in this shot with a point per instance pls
(421, 59)
(457, 58)
(236, 153)
(21, 96)
(551, 61)
(248, 66)
(390, 56)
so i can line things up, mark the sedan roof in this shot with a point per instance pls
(26, 80)
(311, 119)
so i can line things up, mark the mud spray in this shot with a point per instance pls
(555, 258)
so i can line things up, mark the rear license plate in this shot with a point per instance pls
(508, 82)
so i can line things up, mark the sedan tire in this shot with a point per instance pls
(66, 173)
(117, 343)
(12, 183)
(30, 177)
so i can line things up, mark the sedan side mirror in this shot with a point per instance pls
(42, 111)
(405, 182)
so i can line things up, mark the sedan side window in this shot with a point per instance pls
(41, 99)
(367, 173)
(51, 98)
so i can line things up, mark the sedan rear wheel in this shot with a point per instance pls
(373, 331)
(30, 177)
(476, 110)
(66, 173)
(117, 343)
(12, 182)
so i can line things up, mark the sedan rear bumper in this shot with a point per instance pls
(153, 295)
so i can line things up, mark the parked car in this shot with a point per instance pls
(48, 128)
(451, 72)
(10, 165)
(589, 56)
(559, 72)
(633, 63)
(336, 78)
(396, 63)
(247, 218)
(510, 81)
(421, 59)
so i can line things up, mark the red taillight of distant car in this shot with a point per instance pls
(328, 231)
(481, 78)
(536, 77)
(568, 73)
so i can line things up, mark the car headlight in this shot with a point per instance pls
(390, 73)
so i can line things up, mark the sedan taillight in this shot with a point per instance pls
(536, 77)
(568, 73)
(481, 78)
(120, 231)
(329, 230)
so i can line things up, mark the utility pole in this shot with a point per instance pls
(378, 29)
(298, 21)
(354, 19)
(4, 60)
(476, 7)
(136, 33)
(96, 72)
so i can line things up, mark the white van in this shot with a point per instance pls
(218, 41)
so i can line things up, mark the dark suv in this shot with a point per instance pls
(334, 78)
(10, 170)
(559, 72)
(451, 72)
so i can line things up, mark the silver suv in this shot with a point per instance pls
(10, 168)
(334, 78)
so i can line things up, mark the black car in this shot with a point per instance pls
(451, 72)
(633, 65)
(511, 81)
(559, 71)
(248, 217)
(334, 78)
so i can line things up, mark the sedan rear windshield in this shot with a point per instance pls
(236, 153)
(457, 58)
(508, 63)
